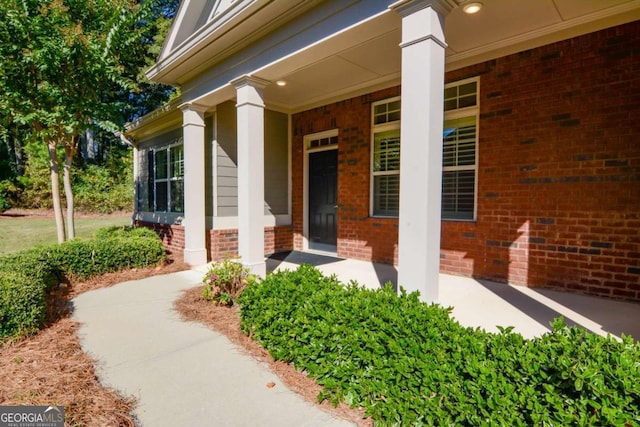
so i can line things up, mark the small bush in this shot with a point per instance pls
(26, 277)
(124, 231)
(4, 196)
(225, 281)
(409, 363)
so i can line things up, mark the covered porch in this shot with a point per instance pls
(487, 304)
(259, 58)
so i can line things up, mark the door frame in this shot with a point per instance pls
(305, 184)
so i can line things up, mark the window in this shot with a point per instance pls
(459, 160)
(168, 183)
(459, 157)
(386, 158)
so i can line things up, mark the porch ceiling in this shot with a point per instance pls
(367, 57)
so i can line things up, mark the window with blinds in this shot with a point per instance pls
(459, 152)
(385, 168)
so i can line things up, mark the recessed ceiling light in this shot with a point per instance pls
(472, 7)
(281, 83)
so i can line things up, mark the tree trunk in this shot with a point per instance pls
(69, 152)
(55, 190)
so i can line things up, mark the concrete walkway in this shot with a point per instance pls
(182, 373)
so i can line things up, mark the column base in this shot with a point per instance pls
(195, 257)
(257, 268)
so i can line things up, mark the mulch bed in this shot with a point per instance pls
(49, 368)
(226, 320)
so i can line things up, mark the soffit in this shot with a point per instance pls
(507, 26)
(367, 56)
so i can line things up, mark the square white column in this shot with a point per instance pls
(195, 250)
(250, 114)
(423, 56)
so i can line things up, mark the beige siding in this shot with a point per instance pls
(226, 160)
(209, 147)
(276, 163)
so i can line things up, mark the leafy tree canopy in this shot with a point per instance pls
(65, 64)
(68, 65)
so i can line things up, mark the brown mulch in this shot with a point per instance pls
(49, 368)
(226, 320)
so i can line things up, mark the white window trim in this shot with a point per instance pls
(458, 114)
(177, 142)
(395, 125)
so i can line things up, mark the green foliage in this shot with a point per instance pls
(116, 231)
(81, 259)
(4, 195)
(26, 277)
(226, 281)
(68, 66)
(98, 188)
(63, 62)
(409, 363)
(105, 188)
(35, 184)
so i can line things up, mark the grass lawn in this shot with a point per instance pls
(25, 232)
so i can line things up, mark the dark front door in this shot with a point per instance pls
(323, 190)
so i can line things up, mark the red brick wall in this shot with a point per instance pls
(222, 244)
(172, 235)
(359, 236)
(559, 168)
(558, 172)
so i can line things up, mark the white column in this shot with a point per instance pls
(136, 184)
(195, 252)
(423, 50)
(250, 111)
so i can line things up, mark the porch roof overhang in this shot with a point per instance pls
(161, 120)
(365, 55)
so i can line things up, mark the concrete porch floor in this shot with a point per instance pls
(487, 304)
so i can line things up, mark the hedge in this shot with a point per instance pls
(409, 363)
(27, 277)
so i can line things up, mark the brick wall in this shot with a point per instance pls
(172, 236)
(559, 168)
(359, 236)
(222, 244)
(558, 171)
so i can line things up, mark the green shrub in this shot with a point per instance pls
(124, 231)
(22, 304)
(26, 277)
(81, 259)
(4, 195)
(409, 363)
(225, 281)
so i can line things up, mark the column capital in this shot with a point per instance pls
(407, 7)
(422, 21)
(248, 80)
(192, 114)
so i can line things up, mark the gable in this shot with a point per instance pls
(192, 15)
